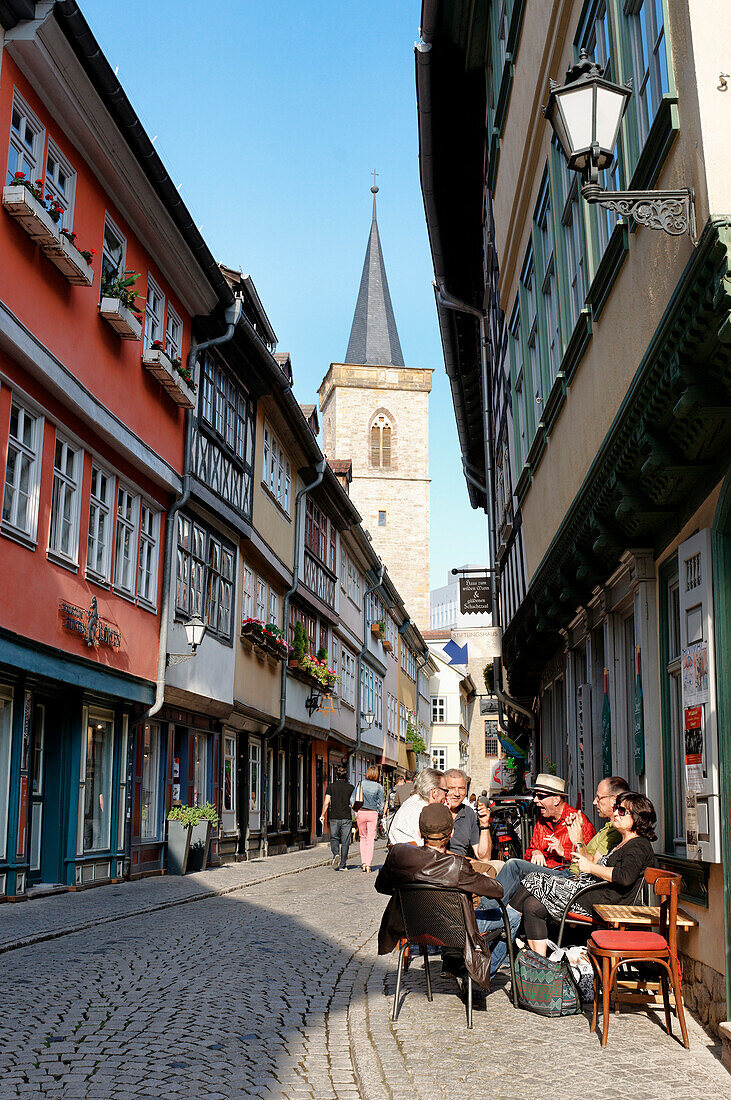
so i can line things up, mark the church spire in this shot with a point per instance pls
(373, 336)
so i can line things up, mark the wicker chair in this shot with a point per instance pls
(432, 917)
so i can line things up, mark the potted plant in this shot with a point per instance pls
(189, 837)
(378, 629)
(175, 378)
(300, 646)
(118, 305)
(200, 836)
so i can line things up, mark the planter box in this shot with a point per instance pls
(376, 631)
(387, 646)
(200, 841)
(69, 261)
(156, 361)
(178, 847)
(32, 215)
(122, 320)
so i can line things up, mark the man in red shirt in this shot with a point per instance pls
(551, 845)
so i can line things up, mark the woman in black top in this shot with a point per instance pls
(541, 896)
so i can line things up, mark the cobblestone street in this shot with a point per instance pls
(275, 989)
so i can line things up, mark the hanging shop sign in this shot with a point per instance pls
(89, 625)
(482, 643)
(475, 595)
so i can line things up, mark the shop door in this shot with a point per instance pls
(319, 792)
(254, 786)
(46, 844)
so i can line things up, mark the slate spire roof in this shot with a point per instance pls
(373, 336)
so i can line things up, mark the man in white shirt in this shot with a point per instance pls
(429, 786)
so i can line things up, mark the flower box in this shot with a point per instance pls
(376, 630)
(122, 320)
(387, 645)
(157, 362)
(69, 261)
(21, 204)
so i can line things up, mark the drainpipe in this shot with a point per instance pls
(298, 506)
(364, 650)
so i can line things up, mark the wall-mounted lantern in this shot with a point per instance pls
(195, 630)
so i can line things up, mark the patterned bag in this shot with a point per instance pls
(546, 986)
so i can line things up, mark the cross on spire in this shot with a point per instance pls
(374, 188)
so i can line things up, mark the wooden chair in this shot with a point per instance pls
(610, 949)
(571, 917)
(433, 917)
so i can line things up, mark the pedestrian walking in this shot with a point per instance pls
(337, 801)
(368, 800)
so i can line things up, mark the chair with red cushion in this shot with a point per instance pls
(609, 949)
(571, 917)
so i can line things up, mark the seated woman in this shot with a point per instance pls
(542, 897)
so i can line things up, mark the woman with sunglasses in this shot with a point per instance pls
(542, 897)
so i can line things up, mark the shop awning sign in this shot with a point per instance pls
(88, 624)
(475, 595)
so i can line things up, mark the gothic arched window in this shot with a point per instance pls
(381, 441)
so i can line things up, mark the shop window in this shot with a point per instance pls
(6, 725)
(492, 744)
(229, 775)
(22, 471)
(300, 790)
(25, 152)
(60, 184)
(282, 808)
(98, 549)
(154, 313)
(200, 768)
(254, 785)
(36, 784)
(672, 652)
(270, 785)
(439, 757)
(150, 782)
(64, 532)
(96, 781)
(438, 709)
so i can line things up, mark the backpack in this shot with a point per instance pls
(546, 986)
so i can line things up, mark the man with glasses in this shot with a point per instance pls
(608, 837)
(471, 835)
(429, 787)
(552, 843)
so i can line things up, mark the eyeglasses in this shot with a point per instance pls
(620, 811)
(542, 797)
(445, 789)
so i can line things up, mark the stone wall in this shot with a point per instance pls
(704, 992)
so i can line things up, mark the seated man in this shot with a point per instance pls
(608, 837)
(433, 864)
(471, 834)
(552, 844)
(429, 786)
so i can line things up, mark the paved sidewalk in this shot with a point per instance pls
(28, 922)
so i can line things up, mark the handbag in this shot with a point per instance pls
(546, 986)
(358, 800)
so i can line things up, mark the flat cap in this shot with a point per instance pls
(435, 820)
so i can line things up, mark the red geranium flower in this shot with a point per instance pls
(19, 176)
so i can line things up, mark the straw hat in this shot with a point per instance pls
(550, 784)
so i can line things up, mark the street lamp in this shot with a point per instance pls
(585, 114)
(369, 719)
(195, 630)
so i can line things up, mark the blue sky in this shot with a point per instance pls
(271, 117)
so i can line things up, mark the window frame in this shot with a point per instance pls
(74, 483)
(149, 337)
(151, 540)
(115, 271)
(133, 526)
(276, 470)
(438, 709)
(28, 535)
(201, 598)
(66, 203)
(39, 139)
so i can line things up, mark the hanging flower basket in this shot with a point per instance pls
(122, 320)
(157, 362)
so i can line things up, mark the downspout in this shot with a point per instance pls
(320, 468)
(364, 650)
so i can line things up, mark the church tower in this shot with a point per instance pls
(375, 413)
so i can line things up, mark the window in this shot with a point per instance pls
(347, 676)
(300, 789)
(173, 334)
(254, 785)
(261, 599)
(6, 725)
(64, 534)
(381, 519)
(547, 281)
(150, 781)
(392, 636)
(371, 695)
(380, 442)
(114, 251)
(154, 312)
(392, 716)
(100, 523)
(343, 568)
(402, 721)
(26, 142)
(23, 470)
(96, 782)
(276, 472)
(270, 780)
(492, 744)
(200, 768)
(147, 568)
(353, 583)
(125, 552)
(598, 42)
(463, 717)
(229, 775)
(439, 757)
(573, 243)
(247, 602)
(645, 23)
(520, 414)
(273, 607)
(529, 309)
(375, 611)
(438, 709)
(675, 839)
(205, 577)
(282, 787)
(316, 532)
(60, 184)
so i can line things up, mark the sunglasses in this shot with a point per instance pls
(543, 797)
(620, 811)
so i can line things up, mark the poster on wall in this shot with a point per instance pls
(695, 675)
(693, 734)
(692, 847)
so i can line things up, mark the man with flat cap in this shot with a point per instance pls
(554, 835)
(433, 864)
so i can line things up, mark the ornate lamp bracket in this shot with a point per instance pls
(178, 658)
(671, 211)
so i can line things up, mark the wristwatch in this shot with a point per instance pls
(483, 828)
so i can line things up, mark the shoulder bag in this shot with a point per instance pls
(546, 986)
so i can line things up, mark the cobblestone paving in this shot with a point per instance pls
(274, 989)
